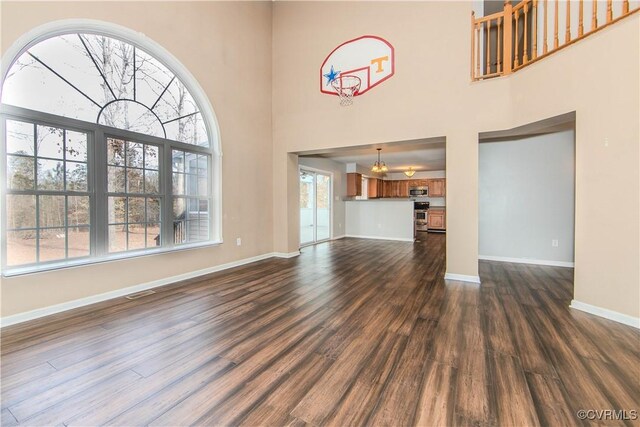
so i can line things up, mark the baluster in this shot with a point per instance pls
(580, 19)
(625, 7)
(516, 49)
(488, 47)
(555, 28)
(534, 33)
(478, 50)
(594, 15)
(567, 34)
(499, 52)
(507, 34)
(525, 55)
(609, 11)
(473, 36)
(545, 43)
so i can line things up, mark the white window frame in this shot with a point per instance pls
(97, 135)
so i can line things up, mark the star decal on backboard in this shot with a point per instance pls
(331, 75)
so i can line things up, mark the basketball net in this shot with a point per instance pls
(346, 87)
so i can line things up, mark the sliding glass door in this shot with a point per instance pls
(315, 206)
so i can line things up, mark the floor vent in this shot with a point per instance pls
(140, 294)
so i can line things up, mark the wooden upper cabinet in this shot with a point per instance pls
(387, 188)
(437, 187)
(375, 188)
(354, 184)
(403, 188)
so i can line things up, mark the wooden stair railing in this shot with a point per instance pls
(509, 40)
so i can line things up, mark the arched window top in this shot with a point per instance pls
(104, 80)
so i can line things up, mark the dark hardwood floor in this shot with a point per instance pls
(352, 332)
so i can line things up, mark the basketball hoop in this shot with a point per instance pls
(346, 87)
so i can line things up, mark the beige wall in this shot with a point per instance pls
(227, 47)
(431, 95)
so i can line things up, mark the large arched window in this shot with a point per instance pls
(108, 151)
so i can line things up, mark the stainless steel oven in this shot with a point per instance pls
(421, 215)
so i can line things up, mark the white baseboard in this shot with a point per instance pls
(396, 239)
(342, 236)
(462, 278)
(58, 308)
(607, 314)
(526, 261)
(286, 254)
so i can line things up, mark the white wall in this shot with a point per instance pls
(339, 188)
(526, 190)
(383, 219)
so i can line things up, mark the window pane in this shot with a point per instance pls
(203, 186)
(117, 238)
(117, 210)
(50, 175)
(153, 235)
(116, 179)
(24, 86)
(129, 115)
(178, 182)
(78, 210)
(177, 161)
(21, 211)
(79, 242)
(151, 78)
(135, 181)
(49, 142)
(153, 210)
(192, 185)
(76, 146)
(136, 209)
(20, 173)
(151, 157)
(179, 208)
(175, 102)
(120, 56)
(52, 244)
(76, 176)
(20, 138)
(52, 212)
(190, 130)
(21, 247)
(136, 237)
(151, 181)
(115, 152)
(134, 155)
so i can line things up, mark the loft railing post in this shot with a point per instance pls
(473, 36)
(506, 37)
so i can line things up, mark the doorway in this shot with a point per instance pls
(315, 206)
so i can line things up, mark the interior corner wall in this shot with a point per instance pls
(222, 44)
(527, 198)
(431, 95)
(339, 185)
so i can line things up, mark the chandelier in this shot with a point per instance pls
(410, 172)
(379, 166)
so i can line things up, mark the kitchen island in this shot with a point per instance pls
(387, 219)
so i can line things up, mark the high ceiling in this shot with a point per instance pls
(422, 155)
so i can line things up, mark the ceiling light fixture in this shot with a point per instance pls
(410, 172)
(379, 166)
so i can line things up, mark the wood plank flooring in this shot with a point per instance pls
(352, 332)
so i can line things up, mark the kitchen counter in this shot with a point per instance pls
(387, 219)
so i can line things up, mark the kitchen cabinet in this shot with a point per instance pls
(437, 187)
(387, 188)
(403, 188)
(354, 184)
(375, 188)
(437, 219)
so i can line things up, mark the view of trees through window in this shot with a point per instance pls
(89, 190)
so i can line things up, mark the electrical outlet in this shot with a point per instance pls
(238, 241)
(554, 243)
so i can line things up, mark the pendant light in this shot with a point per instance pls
(410, 172)
(379, 166)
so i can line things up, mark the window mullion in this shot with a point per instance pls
(166, 190)
(100, 206)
